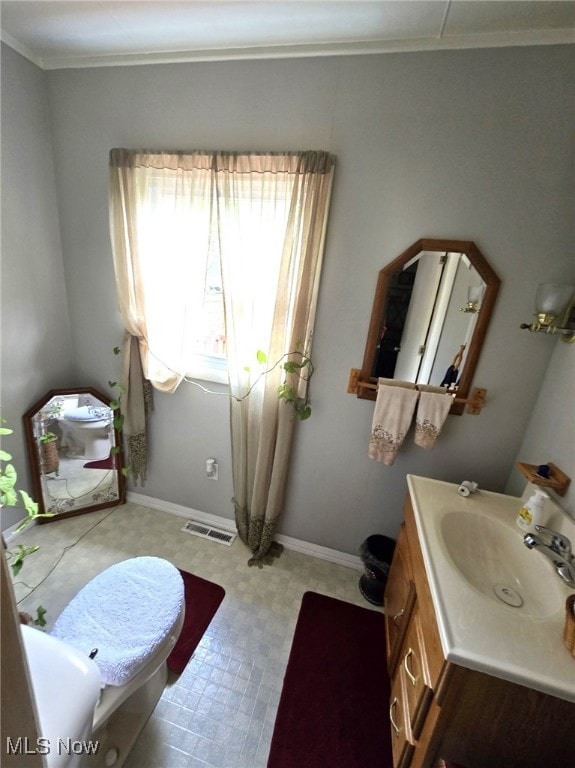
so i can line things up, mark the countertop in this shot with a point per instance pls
(479, 632)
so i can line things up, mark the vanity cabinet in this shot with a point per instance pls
(415, 671)
(441, 710)
(401, 735)
(410, 694)
(398, 600)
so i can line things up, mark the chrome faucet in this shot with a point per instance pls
(557, 548)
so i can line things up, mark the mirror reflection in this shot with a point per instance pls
(430, 315)
(429, 319)
(72, 450)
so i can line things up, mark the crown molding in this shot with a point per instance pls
(21, 49)
(411, 45)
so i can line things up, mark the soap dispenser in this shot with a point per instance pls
(532, 512)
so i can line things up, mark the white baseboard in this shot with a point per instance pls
(177, 509)
(12, 531)
(296, 545)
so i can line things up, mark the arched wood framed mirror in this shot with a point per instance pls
(74, 452)
(430, 316)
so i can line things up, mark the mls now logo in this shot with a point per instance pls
(26, 746)
(23, 745)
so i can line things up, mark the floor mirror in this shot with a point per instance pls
(75, 453)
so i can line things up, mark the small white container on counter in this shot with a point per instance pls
(532, 512)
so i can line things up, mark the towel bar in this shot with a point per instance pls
(474, 403)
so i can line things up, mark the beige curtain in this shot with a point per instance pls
(270, 290)
(148, 260)
(148, 269)
(270, 212)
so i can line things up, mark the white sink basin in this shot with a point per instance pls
(494, 560)
(477, 566)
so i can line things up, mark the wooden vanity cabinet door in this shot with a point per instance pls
(418, 692)
(398, 600)
(401, 739)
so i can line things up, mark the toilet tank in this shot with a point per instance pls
(66, 686)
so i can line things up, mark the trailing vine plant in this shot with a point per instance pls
(303, 369)
(287, 391)
(9, 497)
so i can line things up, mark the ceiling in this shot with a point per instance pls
(86, 33)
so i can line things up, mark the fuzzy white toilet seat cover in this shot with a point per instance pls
(126, 612)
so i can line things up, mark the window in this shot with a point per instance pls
(213, 246)
(181, 276)
(179, 242)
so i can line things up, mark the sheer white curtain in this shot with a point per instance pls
(160, 218)
(160, 221)
(268, 213)
(272, 214)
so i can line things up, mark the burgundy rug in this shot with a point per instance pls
(202, 599)
(333, 709)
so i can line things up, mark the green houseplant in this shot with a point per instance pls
(50, 460)
(10, 496)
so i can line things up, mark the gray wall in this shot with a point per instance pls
(550, 434)
(36, 342)
(463, 144)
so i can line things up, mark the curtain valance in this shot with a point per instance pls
(310, 161)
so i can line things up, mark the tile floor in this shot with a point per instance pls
(221, 710)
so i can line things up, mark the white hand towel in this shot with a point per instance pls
(392, 417)
(432, 411)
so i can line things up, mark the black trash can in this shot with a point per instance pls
(376, 554)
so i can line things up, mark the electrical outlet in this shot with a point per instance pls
(211, 469)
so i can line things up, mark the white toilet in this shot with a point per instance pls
(61, 675)
(127, 619)
(91, 426)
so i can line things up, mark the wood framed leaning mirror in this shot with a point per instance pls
(430, 316)
(74, 452)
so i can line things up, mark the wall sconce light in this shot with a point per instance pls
(552, 302)
(474, 296)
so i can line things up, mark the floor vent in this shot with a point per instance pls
(208, 532)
